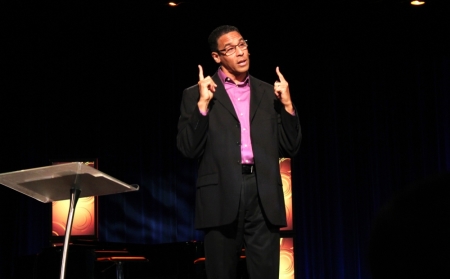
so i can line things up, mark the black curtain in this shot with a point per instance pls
(105, 80)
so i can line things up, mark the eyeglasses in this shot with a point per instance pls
(230, 50)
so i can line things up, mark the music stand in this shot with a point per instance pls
(60, 182)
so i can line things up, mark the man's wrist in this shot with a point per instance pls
(203, 107)
(290, 109)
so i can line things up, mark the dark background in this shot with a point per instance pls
(370, 80)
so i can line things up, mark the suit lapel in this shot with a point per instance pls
(256, 96)
(221, 96)
(256, 93)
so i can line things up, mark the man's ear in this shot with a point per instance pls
(216, 57)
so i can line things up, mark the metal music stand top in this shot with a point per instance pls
(53, 183)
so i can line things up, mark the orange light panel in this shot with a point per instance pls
(84, 221)
(84, 218)
(287, 258)
(285, 171)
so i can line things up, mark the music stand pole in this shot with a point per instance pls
(74, 195)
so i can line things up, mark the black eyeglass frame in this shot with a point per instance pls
(232, 48)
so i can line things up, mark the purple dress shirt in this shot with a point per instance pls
(240, 97)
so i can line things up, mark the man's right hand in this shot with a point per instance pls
(206, 87)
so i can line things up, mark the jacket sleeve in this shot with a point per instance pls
(289, 133)
(192, 125)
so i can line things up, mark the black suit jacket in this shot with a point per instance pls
(214, 140)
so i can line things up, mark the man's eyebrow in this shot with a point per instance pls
(241, 39)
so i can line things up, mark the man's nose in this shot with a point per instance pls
(239, 51)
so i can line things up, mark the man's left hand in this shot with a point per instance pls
(281, 89)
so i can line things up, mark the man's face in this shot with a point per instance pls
(237, 64)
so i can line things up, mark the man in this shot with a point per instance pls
(237, 127)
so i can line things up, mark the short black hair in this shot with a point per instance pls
(217, 33)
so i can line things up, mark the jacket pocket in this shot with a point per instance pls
(208, 179)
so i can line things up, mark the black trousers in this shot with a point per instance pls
(252, 231)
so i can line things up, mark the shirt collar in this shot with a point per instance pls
(226, 79)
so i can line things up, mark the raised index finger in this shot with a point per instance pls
(280, 76)
(200, 72)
